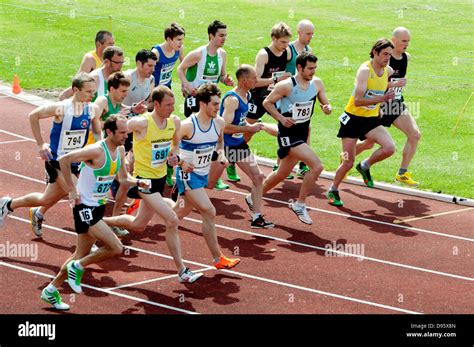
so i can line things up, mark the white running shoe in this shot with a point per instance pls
(54, 299)
(36, 223)
(249, 201)
(120, 232)
(4, 211)
(187, 276)
(301, 213)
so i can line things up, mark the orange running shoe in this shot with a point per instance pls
(133, 206)
(226, 263)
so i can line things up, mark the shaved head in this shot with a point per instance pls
(399, 31)
(304, 24)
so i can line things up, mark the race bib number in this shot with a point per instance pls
(102, 186)
(252, 108)
(344, 118)
(191, 101)
(285, 141)
(397, 90)
(275, 75)
(159, 153)
(302, 111)
(73, 139)
(202, 157)
(85, 215)
(165, 74)
(184, 176)
(369, 94)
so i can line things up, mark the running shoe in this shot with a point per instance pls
(226, 263)
(169, 176)
(133, 206)
(187, 276)
(36, 222)
(54, 299)
(4, 211)
(120, 232)
(407, 179)
(74, 277)
(220, 185)
(248, 200)
(366, 176)
(232, 173)
(301, 213)
(302, 171)
(334, 198)
(261, 223)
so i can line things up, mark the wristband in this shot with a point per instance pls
(214, 156)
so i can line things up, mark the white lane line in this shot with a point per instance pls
(17, 135)
(284, 284)
(13, 141)
(309, 208)
(398, 221)
(365, 219)
(130, 297)
(159, 279)
(304, 245)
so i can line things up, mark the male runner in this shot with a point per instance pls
(205, 64)
(234, 109)
(395, 112)
(360, 119)
(155, 143)
(201, 138)
(102, 161)
(72, 119)
(296, 97)
(93, 60)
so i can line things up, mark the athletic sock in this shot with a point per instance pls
(299, 204)
(9, 205)
(78, 265)
(333, 189)
(51, 289)
(364, 165)
(402, 171)
(38, 214)
(255, 216)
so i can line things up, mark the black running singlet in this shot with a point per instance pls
(399, 66)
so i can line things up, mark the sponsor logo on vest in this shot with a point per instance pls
(37, 330)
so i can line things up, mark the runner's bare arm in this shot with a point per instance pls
(190, 60)
(87, 64)
(260, 60)
(185, 132)
(225, 77)
(282, 89)
(66, 94)
(231, 104)
(173, 158)
(220, 124)
(96, 125)
(54, 110)
(323, 99)
(124, 177)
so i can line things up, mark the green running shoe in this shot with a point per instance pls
(220, 185)
(302, 171)
(334, 198)
(169, 176)
(232, 174)
(54, 299)
(74, 277)
(366, 176)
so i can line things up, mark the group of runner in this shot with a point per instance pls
(114, 133)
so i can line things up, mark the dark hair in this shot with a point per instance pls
(206, 91)
(116, 80)
(159, 93)
(111, 122)
(110, 51)
(303, 58)
(144, 54)
(81, 78)
(379, 45)
(174, 30)
(215, 26)
(243, 71)
(100, 36)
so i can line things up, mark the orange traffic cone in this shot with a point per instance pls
(16, 85)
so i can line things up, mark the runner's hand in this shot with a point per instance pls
(144, 183)
(253, 128)
(287, 122)
(74, 197)
(188, 89)
(401, 82)
(326, 108)
(187, 167)
(45, 152)
(389, 95)
(284, 76)
(228, 81)
(139, 108)
(173, 160)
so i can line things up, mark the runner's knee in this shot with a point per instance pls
(172, 222)
(389, 149)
